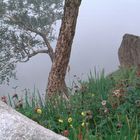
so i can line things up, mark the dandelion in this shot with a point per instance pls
(60, 120)
(83, 114)
(69, 119)
(103, 102)
(39, 111)
(83, 124)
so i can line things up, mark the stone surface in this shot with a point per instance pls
(129, 51)
(15, 126)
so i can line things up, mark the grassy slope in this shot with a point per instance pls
(102, 108)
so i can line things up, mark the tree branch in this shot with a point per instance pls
(50, 50)
(33, 54)
(43, 35)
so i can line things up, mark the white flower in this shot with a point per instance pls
(103, 102)
(117, 93)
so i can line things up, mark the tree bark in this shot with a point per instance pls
(56, 81)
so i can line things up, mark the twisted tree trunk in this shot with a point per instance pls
(56, 80)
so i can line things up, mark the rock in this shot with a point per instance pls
(129, 51)
(15, 126)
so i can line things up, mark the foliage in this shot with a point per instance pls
(7, 67)
(26, 29)
(102, 108)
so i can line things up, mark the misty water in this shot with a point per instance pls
(101, 25)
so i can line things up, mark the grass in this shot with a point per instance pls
(102, 108)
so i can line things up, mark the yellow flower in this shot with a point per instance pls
(71, 125)
(83, 113)
(69, 119)
(83, 124)
(39, 111)
(60, 120)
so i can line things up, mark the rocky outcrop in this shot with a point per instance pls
(15, 126)
(129, 51)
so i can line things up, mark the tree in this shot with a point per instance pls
(6, 67)
(28, 30)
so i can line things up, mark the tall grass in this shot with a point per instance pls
(102, 108)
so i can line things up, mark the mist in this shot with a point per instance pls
(101, 25)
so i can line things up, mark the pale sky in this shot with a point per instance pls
(101, 25)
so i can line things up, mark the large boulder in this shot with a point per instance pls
(129, 51)
(15, 126)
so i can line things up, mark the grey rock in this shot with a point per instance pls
(15, 126)
(129, 51)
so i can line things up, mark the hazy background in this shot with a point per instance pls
(101, 25)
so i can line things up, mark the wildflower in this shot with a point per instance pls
(103, 103)
(65, 133)
(83, 124)
(60, 120)
(69, 119)
(39, 111)
(71, 125)
(117, 93)
(83, 113)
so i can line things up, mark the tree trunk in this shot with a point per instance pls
(56, 80)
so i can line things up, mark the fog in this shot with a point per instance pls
(101, 25)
